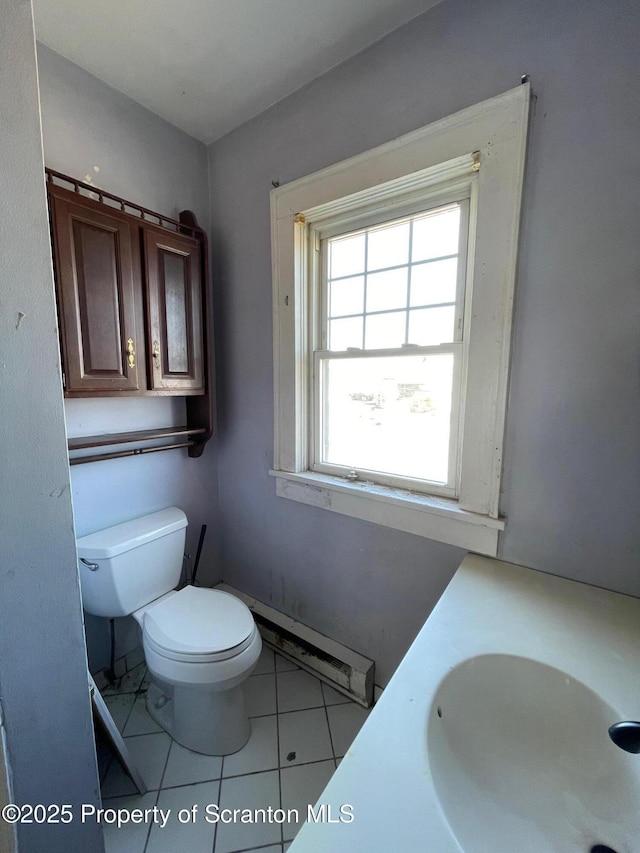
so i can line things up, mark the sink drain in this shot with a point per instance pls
(601, 848)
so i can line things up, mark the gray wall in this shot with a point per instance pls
(142, 158)
(571, 480)
(43, 676)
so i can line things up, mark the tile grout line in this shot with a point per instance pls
(260, 847)
(155, 803)
(215, 832)
(129, 714)
(326, 713)
(293, 710)
(234, 776)
(164, 770)
(144, 734)
(166, 761)
(256, 772)
(215, 828)
(275, 675)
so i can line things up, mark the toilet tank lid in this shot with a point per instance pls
(112, 541)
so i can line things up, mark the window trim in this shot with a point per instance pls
(491, 136)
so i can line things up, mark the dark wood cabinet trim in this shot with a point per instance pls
(200, 409)
(98, 197)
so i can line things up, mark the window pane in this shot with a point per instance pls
(434, 282)
(346, 256)
(388, 246)
(387, 290)
(390, 415)
(346, 296)
(431, 326)
(383, 331)
(345, 333)
(435, 235)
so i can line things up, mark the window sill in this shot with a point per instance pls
(434, 518)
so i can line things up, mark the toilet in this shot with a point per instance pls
(199, 644)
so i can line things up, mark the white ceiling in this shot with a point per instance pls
(208, 66)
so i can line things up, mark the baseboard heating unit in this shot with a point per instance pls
(340, 667)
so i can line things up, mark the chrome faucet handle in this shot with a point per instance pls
(91, 566)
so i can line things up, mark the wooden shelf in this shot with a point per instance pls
(105, 439)
(110, 439)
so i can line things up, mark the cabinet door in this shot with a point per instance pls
(97, 283)
(174, 296)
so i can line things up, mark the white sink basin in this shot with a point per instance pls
(521, 761)
(529, 671)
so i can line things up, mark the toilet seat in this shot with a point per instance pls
(198, 625)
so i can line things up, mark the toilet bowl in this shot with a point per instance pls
(199, 644)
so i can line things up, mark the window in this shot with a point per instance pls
(388, 364)
(393, 288)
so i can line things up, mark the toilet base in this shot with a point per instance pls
(206, 721)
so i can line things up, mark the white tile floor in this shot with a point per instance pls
(300, 730)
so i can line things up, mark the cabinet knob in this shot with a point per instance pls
(131, 353)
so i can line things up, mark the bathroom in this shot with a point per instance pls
(570, 490)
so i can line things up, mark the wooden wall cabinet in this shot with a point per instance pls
(133, 302)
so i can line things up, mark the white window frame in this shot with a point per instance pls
(490, 139)
(431, 196)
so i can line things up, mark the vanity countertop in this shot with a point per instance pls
(490, 607)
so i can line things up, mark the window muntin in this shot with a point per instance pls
(398, 283)
(387, 386)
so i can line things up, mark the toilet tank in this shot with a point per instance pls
(137, 562)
